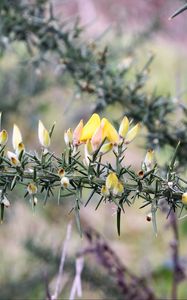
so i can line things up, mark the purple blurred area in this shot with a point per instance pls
(130, 15)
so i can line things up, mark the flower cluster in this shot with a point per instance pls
(100, 135)
(70, 173)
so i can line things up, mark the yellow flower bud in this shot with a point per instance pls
(13, 158)
(105, 191)
(132, 133)
(118, 189)
(106, 148)
(88, 148)
(20, 148)
(90, 127)
(68, 137)
(3, 137)
(184, 198)
(109, 131)
(43, 135)
(111, 180)
(77, 133)
(148, 161)
(124, 127)
(61, 172)
(32, 189)
(16, 137)
(64, 182)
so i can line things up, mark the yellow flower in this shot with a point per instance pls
(184, 198)
(32, 189)
(13, 158)
(43, 135)
(16, 137)
(132, 133)
(148, 161)
(109, 131)
(90, 128)
(77, 133)
(105, 191)
(3, 137)
(106, 148)
(124, 127)
(111, 180)
(118, 189)
(68, 137)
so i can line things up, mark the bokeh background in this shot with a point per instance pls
(132, 30)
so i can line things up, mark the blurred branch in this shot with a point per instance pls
(77, 287)
(131, 286)
(178, 271)
(61, 266)
(93, 277)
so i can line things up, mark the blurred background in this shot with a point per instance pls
(31, 242)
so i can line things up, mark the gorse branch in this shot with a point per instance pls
(71, 172)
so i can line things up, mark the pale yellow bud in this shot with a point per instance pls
(43, 135)
(77, 133)
(132, 133)
(184, 198)
(118, 189)
(13, 158)
(105, 191)
(16, 137)
(61, 172)
(106, 148)
(3, 137)
(111, 180)
(68, 137)
(64, 182)
(97, 138)
(124, 127)
(32, 189)
(149, 159)
(88, 148)
(20, 148)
